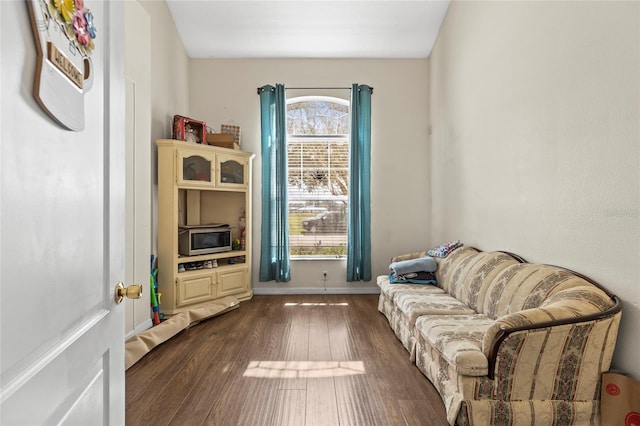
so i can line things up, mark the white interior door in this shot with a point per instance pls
(138, 164)
(62, 232)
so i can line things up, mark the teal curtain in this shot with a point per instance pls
(274, 244)
(359, 226)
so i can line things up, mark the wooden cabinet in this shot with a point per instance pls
(201, 185)
(195, 289)
(232, 281)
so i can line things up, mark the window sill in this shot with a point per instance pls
(313, 258)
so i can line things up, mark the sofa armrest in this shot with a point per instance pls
(525, 343)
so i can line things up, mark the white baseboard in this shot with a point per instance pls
(145, 325)
(315, 290)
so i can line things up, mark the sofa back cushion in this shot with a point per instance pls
(475, 274)
(526, 286)
(448, 265)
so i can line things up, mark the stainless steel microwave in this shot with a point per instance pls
(203, 239)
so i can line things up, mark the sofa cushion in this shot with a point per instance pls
(443, 250)
(525, 286)
(580, 300)
(391, 290)
(458, 339)
(447, 265)
(475, 274)
(415, 304)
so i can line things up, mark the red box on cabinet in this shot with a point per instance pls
(188, 129)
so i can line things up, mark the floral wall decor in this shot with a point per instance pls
(64, 32)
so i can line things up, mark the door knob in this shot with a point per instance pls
(133, 291)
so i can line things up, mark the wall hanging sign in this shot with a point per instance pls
(64, 32)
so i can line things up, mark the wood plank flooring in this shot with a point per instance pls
(300, 360)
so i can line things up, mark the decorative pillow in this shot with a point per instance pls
(444, 249)
(413, 277)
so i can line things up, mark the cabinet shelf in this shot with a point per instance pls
(206, 186)
(201, 184)
(219, 268)
(201, 257)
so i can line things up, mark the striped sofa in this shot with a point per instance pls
(506, 342)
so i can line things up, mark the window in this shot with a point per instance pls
(318, 131)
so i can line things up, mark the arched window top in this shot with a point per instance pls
(318, 115)
(332, 99)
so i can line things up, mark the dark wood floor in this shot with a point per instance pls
(284, 360)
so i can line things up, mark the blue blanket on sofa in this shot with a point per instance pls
(413, 277)
(419, 264)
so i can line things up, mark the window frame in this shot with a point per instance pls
(343, 138)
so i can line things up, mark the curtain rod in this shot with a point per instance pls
(318, 88)
(314, 88)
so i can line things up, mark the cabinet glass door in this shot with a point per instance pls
(232, 171)
(194, 168)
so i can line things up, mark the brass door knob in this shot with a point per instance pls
(133, 291)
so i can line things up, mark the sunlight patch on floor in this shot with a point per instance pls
(303, 369)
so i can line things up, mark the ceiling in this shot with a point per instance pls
(308, 28)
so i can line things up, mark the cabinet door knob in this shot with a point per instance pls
(133, 291)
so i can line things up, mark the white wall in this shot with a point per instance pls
(222, 91)
(169, 88)
(536, 139)
(137, 69)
